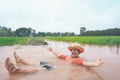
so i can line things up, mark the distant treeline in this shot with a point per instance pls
(108, 32)
(26, 32)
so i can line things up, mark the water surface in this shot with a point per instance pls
(109, 71)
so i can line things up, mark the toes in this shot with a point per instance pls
(15, 55)
(14, 52)
(7, 60)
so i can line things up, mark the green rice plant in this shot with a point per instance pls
(7, 41)
(12, 40)
(22, 41)
(96, 40)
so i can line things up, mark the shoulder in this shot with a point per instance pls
(62, 56)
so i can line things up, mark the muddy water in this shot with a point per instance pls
(63, 71)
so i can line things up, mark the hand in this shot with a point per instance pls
(99, 62)
(49, 49)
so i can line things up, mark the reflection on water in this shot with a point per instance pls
(63, 70)
(117, 48)
(114, 49)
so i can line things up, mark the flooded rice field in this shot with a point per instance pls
(63, 71)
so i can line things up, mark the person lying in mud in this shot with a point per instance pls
(16, 69)
(74, 58)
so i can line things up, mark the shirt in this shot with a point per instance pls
(69, 59)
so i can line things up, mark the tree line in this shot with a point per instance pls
(107, 32)
(26, 32)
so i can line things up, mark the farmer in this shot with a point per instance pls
(16, 69)
(74, 58)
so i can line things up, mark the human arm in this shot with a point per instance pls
(98, 63)
(54, 52)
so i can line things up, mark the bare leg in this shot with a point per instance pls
(19, 60)
(10, 66)
(12, 69)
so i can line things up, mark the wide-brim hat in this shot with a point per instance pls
(76, 46)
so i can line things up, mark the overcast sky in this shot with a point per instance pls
(60, 15)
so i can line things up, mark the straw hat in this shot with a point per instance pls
(76, 46)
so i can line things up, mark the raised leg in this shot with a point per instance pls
(12, 69)
(19, 60)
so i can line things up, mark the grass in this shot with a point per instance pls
(12, 41)
(21, 40)
(96, 40)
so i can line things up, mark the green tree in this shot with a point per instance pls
(82, 30)
(32, 32)
(4, 31)
(43, 34)
(107, 32)
(23, 32)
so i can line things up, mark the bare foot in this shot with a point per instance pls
(20, 60)
(10, 66)
(12, 69)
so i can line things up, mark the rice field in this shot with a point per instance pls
(22, 41)
(12, 40)
(95, 40)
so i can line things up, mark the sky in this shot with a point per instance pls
(60, 15)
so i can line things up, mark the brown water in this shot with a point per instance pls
(63, 71)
